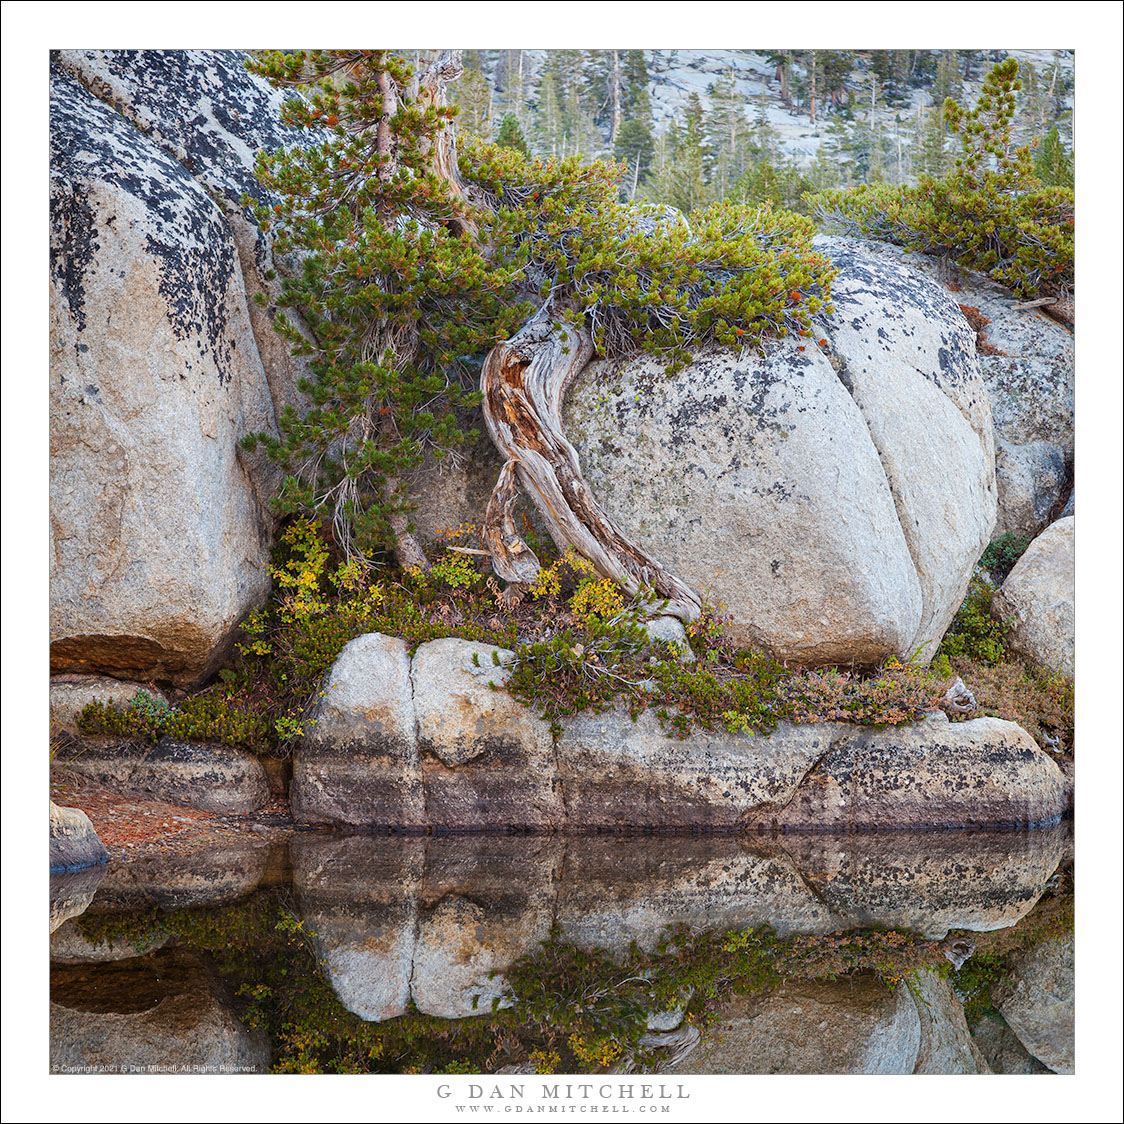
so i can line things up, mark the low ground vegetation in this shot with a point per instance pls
(579, 643)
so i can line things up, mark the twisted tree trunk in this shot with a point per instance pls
(524, 381)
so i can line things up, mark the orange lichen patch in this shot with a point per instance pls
(131, 826)
(978, 323)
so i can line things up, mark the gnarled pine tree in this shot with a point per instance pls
(419, 259)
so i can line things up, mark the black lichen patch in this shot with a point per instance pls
(202, 108)
(902, 298)
(73, 247)
(186, 235)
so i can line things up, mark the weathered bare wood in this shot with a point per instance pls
(524, 381)
(1063, 311)
(1060, 308)
(442, 152)
(512, 559)
(958, 699)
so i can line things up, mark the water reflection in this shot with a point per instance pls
(431, 925)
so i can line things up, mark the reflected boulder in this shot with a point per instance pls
(358, 897)
(946, 1045)
(844, 1026)
(72, 891)
(1001, 1049)
(198, 878)
(164, 1013)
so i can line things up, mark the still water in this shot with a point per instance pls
(899, 953)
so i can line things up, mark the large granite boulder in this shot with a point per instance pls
(486, 759)
(429, 743)
(212, 116)
(206, 775)
(843, 1026)
(1037, 598)
(1030, 479)
(946, 1043)
(159, 529)
(936, 774)
(833, 492)
(1027, 362)
(359, 763)
(425, 741)
(1001, 1049)
(616, 772)
(855, 1025)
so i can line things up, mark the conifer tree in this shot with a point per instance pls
(385, 310)
(685, 174)
(636, 103)
(472, 95)
(549, 130)
(836, 67)
(989, 213)
(1053, 165)
(510, 135)
(635, 148)
(727, 132)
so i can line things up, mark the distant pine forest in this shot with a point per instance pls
(696, 127)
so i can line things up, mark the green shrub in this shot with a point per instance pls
(1001, 555)
(1040, 701)
(578, 646)
(200, 718)
(990, 214)
(974, 633)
